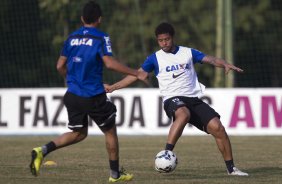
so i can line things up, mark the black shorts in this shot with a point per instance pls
(201, 113)
(99, 108)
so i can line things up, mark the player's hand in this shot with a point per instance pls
(142, 75)
(108, 88)
(229, 67)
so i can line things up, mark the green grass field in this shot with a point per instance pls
(199, 160)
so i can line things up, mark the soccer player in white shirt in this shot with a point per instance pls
(180, 88)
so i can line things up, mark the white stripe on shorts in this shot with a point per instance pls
(76, 126)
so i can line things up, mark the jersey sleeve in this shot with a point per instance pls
(197, 56)
(106, 49)
(150, 64)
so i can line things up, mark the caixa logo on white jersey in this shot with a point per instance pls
(81, 41)
(178, 67)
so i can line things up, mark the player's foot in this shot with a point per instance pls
(123, 177)
(36, 160)
(237, 172)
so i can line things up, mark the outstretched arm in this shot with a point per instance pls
(113, 64)
(221, 63)
(129, 79)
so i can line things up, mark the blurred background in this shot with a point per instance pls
(246, 33)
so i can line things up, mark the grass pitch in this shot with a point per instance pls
(199, 160)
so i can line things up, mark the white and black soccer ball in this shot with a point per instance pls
(165, 161)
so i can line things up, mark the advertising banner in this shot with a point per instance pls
(40, 111)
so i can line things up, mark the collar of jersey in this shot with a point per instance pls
(93, 28)
(176, 49)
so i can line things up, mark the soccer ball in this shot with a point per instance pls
(165, 161)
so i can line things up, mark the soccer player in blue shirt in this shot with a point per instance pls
(82, 58)
(180, 89)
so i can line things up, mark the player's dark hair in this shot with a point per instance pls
(164, 28)
(91, 12)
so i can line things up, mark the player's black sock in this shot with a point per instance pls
(169, 147)
(49, 147)
(229, 165)
(114, 165)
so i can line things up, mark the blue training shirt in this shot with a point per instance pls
(84, 50)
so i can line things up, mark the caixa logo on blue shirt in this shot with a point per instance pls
(81, 41)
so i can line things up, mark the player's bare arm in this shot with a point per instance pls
(113, 64)
(221, 63)
(128, 80)
(61, 66)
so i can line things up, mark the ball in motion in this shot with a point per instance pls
(165, 161)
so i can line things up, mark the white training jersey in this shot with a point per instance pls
(175, 72)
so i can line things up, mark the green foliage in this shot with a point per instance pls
(257, 39)
(33, 31)
(134, 39)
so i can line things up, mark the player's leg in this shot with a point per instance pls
(176, 109)
(105, 117)
(216, 129)
(63, 140)
(182, 116)
(78, 123)
(69, 138)
(207, 119)
(112, 147)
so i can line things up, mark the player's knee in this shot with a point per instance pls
(81, 134)
(108, 123)
(186, 116)
(216, 128)
(220, 129)
(183, 114)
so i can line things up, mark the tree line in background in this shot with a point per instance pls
(33, 31)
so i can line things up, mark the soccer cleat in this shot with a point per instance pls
(36, 160)
(123, 177)
(237, 172)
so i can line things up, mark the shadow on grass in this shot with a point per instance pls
(219, 173)
(262, 171)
